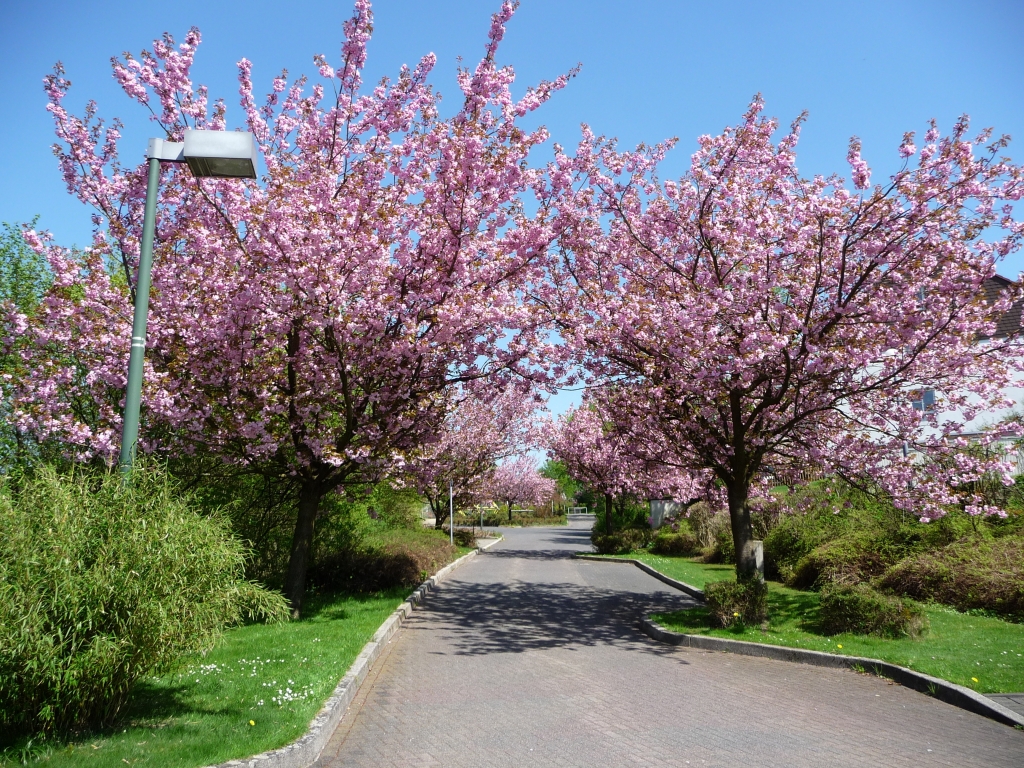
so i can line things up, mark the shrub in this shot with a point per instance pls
(705, 523)
(385, 559)
(970, 574)
(620, 542)
(723, 550)
(262, 510)
(810, 524)
(395, 507)
(737, 602)
(678, 544)
(849, 559)
(859, 609)
(103, 583)
(464, 537)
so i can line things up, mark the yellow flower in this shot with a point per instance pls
(974, 679)
(840, 645)
(735, 614)
(252, 722)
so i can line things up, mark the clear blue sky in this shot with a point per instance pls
(651, 69)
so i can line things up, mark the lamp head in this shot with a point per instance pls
(220, 154)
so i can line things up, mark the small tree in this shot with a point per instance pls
(566, 486)
(608, 460)
(481, 430)
(518, 482)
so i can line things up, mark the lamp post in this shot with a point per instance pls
(209, 154)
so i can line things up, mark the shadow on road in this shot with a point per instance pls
(519, 617)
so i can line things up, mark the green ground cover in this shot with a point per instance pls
(979, 652)
(257, 690)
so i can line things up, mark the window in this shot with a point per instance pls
(923, 400)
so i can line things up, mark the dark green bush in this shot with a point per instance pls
(384, 559)
(723, 550)
(849, 559)
(103, 583)
(620, 542)
(859, 609)
(678, 544)
(737, 602)
(464, 537)
(811, 521)
(971, 574)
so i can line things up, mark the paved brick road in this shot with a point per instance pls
(528, 658)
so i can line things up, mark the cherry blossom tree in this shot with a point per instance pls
(310, 325)
(481, 430)
(608, 459)
(517, 481)
(753, 319)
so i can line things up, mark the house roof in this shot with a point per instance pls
(1009, 322)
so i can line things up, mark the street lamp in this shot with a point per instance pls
(209, 154)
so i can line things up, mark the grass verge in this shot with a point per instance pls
(257, 690)
(979, 652)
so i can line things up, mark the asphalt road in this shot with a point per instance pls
(526, 657)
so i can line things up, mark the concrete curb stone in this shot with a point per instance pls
(680, 585)
(951, 693)
(305, 750)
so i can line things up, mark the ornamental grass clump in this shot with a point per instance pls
(732, 603)
(859, 609)
(102, 583)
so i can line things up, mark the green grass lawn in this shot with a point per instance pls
(257, 690)
(978, 652)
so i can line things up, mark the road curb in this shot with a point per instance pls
(680, 585)
(305, 750)
(951, 693)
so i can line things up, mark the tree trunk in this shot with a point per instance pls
(742, 532)
(310, 495)
(440, 511)
(608, 513)
(510, 511)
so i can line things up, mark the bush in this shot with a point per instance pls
(620, 542)
(103, 583)
(723, 550)
(262, 510)
(464, 537)
(859, 609)
(849, 559)
(385, 559)
(678, 544)
(705, 523)
(737, 602)
(797, 535)
(970, 574)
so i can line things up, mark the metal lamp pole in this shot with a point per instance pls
(133, 395)
(209, 154)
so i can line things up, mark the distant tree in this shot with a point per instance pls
(24, 279)
(567, 487)
(481, 430)
(606, 461)
(518, 482)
